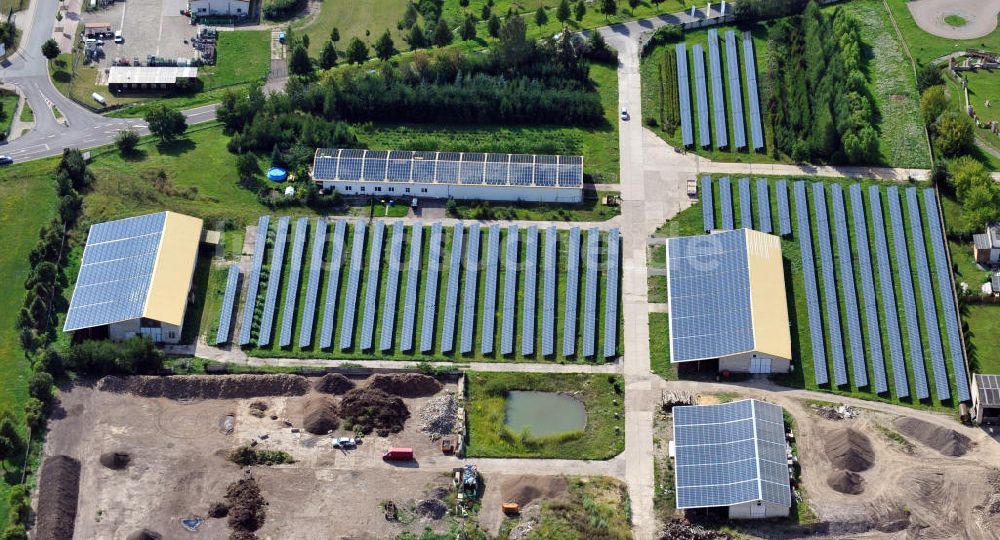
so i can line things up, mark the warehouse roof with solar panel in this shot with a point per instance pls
(727, 301)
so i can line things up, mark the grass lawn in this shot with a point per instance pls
(591, 508)
(591, 209)
(27, 115)
(983, 344)
(16, 5)
(601, 395)
(8, 106)
(955, 20)
(659, 346)
(925, 47)
(366, 24)
(657, 289)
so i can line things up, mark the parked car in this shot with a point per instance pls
(119, 38)
(6, 160)
(345, 442)
(624, 114)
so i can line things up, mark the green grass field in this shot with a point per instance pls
(27, 115)
(15, 5)
(8, 108)
(602, 397)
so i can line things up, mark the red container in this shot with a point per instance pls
(398, 454)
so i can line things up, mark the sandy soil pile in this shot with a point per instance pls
(58, 491)
(144, 534)
(525, 489)
(115, 460)
(370, 409)
(333, 383)
(207, 386)
(947, 441)
(246, 506)
(408, 385)
(850, 450)
(847, 482)
(320, 415)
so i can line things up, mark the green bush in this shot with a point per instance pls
(245, 455)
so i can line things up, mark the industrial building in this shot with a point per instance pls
(985, 399)
(727, 301)
(733, 456)
(443, 175)
(148, 77)
(225, 8)
(135, 278)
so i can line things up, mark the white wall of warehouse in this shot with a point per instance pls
(219, 7)
(457, 191)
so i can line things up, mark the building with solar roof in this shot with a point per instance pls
(986, 398)
(727, 301)
(443, 175)
(135, 278)
(732, 455)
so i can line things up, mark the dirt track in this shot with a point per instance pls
(980, 17)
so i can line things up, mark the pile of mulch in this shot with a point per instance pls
(257, 409)
(431, 509)
(850, 450)
(408, 385)
(144, 534)
(847, 482)
(218, 510)
(333, 383)
(58, 492)
(207, 386)
(246, 506)
(439, 416)
(947, 441)
(370, 409)
(115, 461)
(320, 415)
(679, 529)
(242, 535)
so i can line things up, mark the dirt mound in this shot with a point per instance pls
(371, 409)
(679, 529)
(115, 460)
(58, 491)
(408, 385)
(947, 441)
(850, 483)
(333, 383)
(144, 534)
(320, 415)
(431, 509)
(246, 506)
(528, 488)
(242, 535)
(218, 510)
(850, 450)
(207, 386)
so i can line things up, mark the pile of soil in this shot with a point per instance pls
(320, 415)
(242, 535)
(847, 482)
(218, 510)
(207, 386)
(850, 450)
(257, 409)
(115, 460)
(679, 529)
(408, 385)
(58, 491)
(144, 534)
(246, 506)
(431, 509)
(370, 409)
(333, 383)
(947, 441)
(528, 488)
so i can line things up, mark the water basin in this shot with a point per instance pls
(544, 413)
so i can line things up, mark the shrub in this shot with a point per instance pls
(40, 386)
(953, 133)
(245, 455)
(126, 140)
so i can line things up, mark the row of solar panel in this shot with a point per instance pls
(273, 283)
(228, 303)
(450, 172)
(762, 204)
(298, 247)
(253, 284)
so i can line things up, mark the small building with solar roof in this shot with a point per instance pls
(732, 455)
(727, 302)
(985, 398)
(443, 175)
(135, 278)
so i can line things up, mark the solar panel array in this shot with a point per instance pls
(829, 286)
(850, 292)
(889, 306)
(687, 131)
(228, 303)
(707, 204)
(451, 301)
(412, 284)
(371, 287)
(763, 206)
(260, 244)
(490, 296)
(718, 99)
(726, 203)
(735, 92)
(816, 341)
(756, 130)
(549, 298)
(590, 293)
(392, 286)
(931, 327)
(530, 291)
(509, 292)
(469, 294)
(469, 168)
(869, 299)
(273, 283)
(611, 295)
(746, 210)
(294, 277)
(784, 215)
(701, 95)
(333, 286)
(312, 284)
(909, 297)
(572, 292)
(943, 274)
(431, 291)
(353, 286)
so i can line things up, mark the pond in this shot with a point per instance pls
(544, 413)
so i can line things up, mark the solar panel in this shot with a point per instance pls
(549, 298)
(812, 289)
(572, 292)
(292, 289)
(718, 96)
(371, 287)
(611, 295)
(701, 93)
(353, 286)
(412, 283)
(687, 131)
(332, 286)
(850, 293)
(756, 131)
(590, 293)
(784, 216)
(726, 203)
(509, 292)
(889, 307)
(763, 206)
(312, 285)
(228, 302)
(707, 204)
(942, 271)
(470, 290)
(273, 283)
(253, 284)
(735, 92)
(451, 301)
(868, 299)
(829, 286)
(392, 286)
(431, 291)
(905, 280)
(931, 325)
(746, 212)
(490, 294)
(528, 309)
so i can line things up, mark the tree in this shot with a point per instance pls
(299, 63)
(933, 102)
(579, 11)
(357, 51)
(247, 168)
(384, 47)
(609, 8)
(633, 4)
(463, 3)
(468, 31)
(305, 41)
(10, 440)
(50, 49)
(493, 26)
(442, 34)
(165, 123)
(328, 56)
(562, 12)
(409, 16)
(487, 11)
(416, 38)
(954, 134)
(40, 386)
(14, 531)
(513, 48)
(541, 17)
(34, 414)
(126, 140)
(927, 76)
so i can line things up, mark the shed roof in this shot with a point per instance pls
(981, 241)
(149, 75)
(988, 387)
